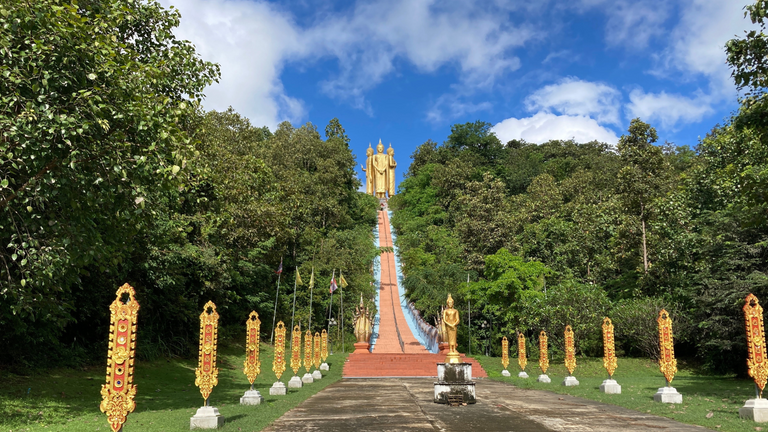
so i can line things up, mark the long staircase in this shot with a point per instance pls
(396, 351)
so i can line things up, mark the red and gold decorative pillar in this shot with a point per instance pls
(206, 374)
(118, 393)
(252, 366)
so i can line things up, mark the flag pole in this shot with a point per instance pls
(293, 314)
(341, 293)
(311, 285)
(277, 294)
(330, 309)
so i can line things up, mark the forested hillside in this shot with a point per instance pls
(567, 233)
(110, 172)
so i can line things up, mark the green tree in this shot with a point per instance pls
(747, 56)
(94, 99)
(643, 178)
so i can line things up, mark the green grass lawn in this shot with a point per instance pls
(68, 400)
(639, 380)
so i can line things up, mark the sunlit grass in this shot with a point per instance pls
(68, 400)
(640, 378)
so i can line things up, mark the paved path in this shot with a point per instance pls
(361, 405)
(394, 334)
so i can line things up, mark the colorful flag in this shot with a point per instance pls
(342, 281)
(333, 285)
(312, 279)
(298, 278)
(280, 269)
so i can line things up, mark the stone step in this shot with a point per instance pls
(400, 365)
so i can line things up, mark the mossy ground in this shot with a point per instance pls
(68, 400)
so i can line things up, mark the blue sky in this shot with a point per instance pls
(404, 71)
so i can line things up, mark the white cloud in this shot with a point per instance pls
(696, 48)
(631, 23)
(250, 41)
(668, 109)
(449, 107)
(542, 127)
(254, 40)
(578, 98)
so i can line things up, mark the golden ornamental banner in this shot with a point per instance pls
(308, 350)
(252, 365)
(206, 374)
(570, 350)
(296, 349)
(504, 352)
(324, 347)
(522, 359)
(667, 361)
(609, 350)
(543, 352)
(278, 363)
(757, 364)
(317, 350)
(118, 392)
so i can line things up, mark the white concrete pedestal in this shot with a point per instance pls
(522, 374)
(307, 378)
(610, 386)
(755, 410)
(316, 375)
(324, 367)
(278, 389)
(251, 397)
(570, 381)
(454, 380)
(505, 373)
(543, 378)
(207, 417)
(295, 382)
(668, 395)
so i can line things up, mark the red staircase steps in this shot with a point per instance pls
(369, 365)
(397, 353)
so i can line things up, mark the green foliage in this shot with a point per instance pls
(747, 56)
(94, 101)
(621, 233)
(111, 173)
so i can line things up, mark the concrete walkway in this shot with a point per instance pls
(360, 405)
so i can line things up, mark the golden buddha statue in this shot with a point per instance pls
(451, 322)
(368, 170)
(380, 171)
(391, 170)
